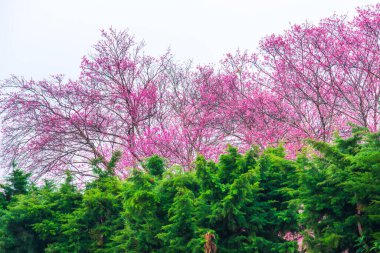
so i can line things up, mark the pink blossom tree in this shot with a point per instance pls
(119, 95)
(305, 83)
(327, 73)
(47, 125)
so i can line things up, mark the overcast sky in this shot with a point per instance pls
(43, 37)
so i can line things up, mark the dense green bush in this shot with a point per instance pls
(330, 195)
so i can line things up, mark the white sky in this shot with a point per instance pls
(43, 37)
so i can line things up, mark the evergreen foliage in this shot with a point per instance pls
(339, 193)
(252, 202)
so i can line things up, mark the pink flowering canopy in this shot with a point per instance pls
(305, 83)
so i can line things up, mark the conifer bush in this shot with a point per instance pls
(328, 198)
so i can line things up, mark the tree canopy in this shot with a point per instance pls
(304, 83)
(325, 201)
